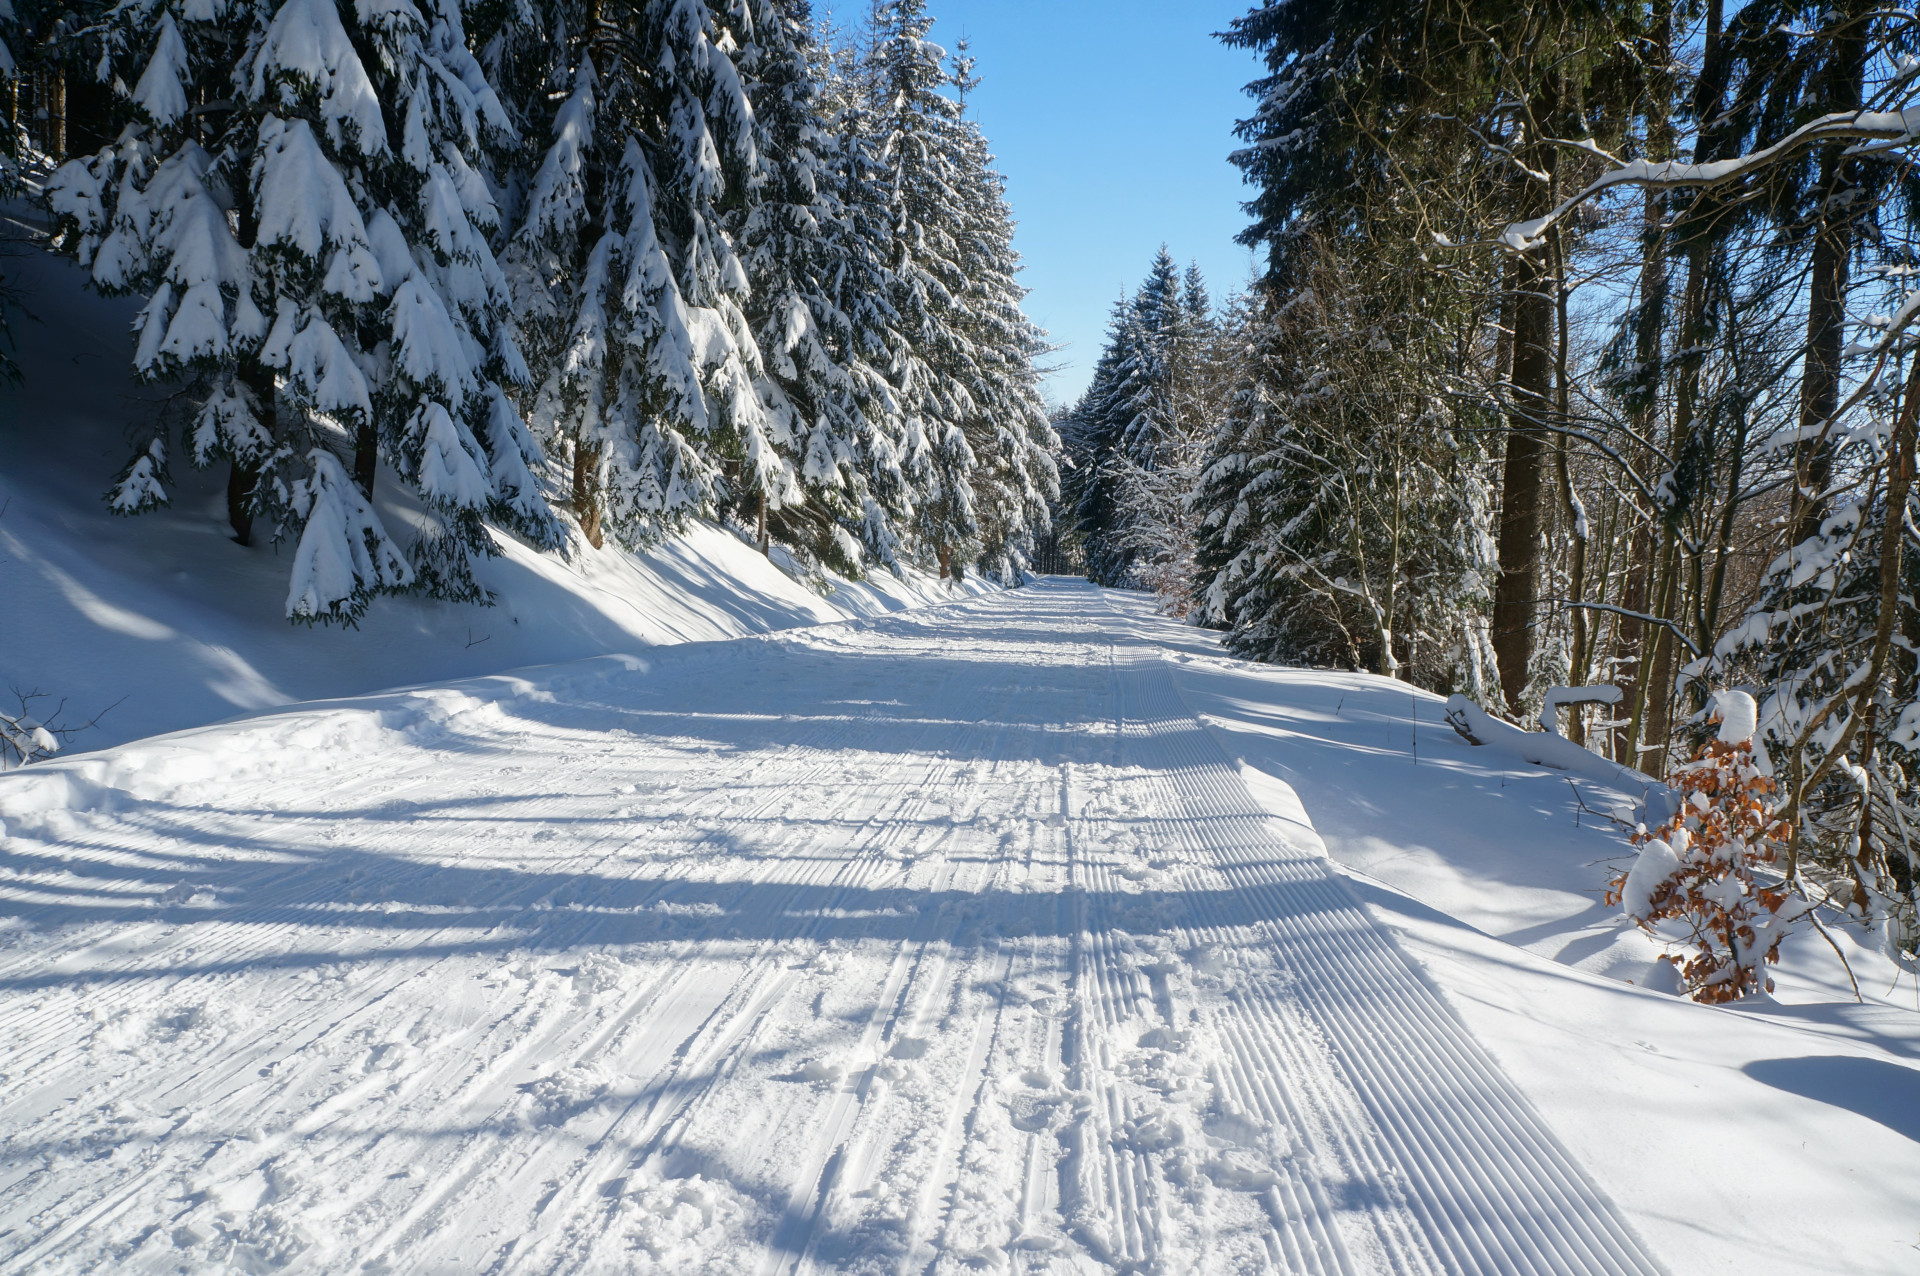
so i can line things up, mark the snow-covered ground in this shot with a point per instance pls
(995, 936)
(161, 622)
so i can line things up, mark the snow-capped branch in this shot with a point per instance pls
(1888, 129)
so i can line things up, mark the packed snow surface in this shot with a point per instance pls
(989, 937)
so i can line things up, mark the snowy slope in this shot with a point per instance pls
(165, 623)
(998, 936)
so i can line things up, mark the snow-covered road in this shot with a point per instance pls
(947, 942)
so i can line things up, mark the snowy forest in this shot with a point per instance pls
(650, 636)
(568, 270)
(1581, 379)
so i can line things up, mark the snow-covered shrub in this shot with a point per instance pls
(1710, 868)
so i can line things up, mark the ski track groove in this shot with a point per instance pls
(795, 1239)
(1047, 767)
(1541, 1181)
(900, 802)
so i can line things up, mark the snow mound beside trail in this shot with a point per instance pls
(183, 769)
(53, 800)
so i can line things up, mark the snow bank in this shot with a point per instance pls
(1489, 867)
(1550, 749)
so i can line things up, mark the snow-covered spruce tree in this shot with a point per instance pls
(1015, 477)
(864, 293)
(629, 286)
(816, 256)
(295, 193)
(1160, 470)
(1344, 517)
(1088, 430)
(1130, 421)
(917, 128)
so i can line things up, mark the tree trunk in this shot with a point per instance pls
(57, 113)
(1652, 689)
(243, 477)
(1575, 510)
(1632, 640)
(946, 562)
(241, 480)
(1631, 645)
(1827, 285)
(586, 496)
(1820, 377)
(366, 459)
(1530, 404)
(762, 535)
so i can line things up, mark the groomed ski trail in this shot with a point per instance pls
(948, 942)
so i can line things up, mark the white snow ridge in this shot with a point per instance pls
(952, 941)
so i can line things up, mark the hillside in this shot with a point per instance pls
(160, 622)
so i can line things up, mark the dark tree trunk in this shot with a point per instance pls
(366, 459)
(586, 497)
(1827, 286)
(57, 112)
(1523, 480)
(1631, 638)
(243, 477)
(1820, 378)
(241, 480)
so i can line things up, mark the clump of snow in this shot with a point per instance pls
(1739, 716)
(560, 1096)
(689, 1225)
(1654, 868)
(598, 972)
(1559, 698)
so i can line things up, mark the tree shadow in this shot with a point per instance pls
(1876, 1089)
(452, 909)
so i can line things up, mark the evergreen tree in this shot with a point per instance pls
(1128, 420)
(864, 289)
(629, 282)
(1089, 432)
(917, 127)
(819, 307)
(1015, 477)
(1344, 514)
(308, 227)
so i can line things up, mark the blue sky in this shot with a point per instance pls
(1112, 122)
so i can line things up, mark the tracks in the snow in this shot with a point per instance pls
(948, 943)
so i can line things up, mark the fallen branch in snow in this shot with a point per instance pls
(1543, 748)
(27, 737)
